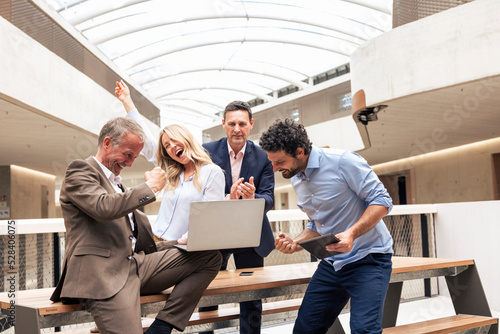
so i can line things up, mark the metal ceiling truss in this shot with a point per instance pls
(299, 41)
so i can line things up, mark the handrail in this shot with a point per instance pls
(56, 225)
(297, 214)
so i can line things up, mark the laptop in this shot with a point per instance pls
(224, 224)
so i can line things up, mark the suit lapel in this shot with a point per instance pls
(106, 183)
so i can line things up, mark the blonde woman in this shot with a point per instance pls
(191, 174)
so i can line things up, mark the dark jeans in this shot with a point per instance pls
(365, 282)
(251, 311)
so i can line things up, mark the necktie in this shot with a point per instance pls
(136, 230)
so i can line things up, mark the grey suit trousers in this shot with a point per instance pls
(190, 272)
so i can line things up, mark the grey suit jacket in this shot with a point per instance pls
(99, 251)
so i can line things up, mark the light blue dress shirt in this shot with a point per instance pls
(173, 217)
(334, 191)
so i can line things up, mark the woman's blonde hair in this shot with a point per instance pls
(193, 150)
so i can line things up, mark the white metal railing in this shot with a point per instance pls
(55, 225)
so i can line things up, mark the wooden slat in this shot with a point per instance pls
(412, 264)
(446, 325)
(443, 325)
(232, 313)
(281, 306)
(77, 331)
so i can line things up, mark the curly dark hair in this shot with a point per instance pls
(285, 135)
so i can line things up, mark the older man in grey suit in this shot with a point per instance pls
(111, 257)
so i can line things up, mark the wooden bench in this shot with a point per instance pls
(221, 315)
(228, 287)
(454, 324)
(34, 310)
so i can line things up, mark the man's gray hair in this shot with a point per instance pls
(118, 127)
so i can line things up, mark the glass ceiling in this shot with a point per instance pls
(194, 56)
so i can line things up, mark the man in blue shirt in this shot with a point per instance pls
(341, 195)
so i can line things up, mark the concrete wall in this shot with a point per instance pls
(27, 64)
(28, 194)
(4, 192)
(454, 175)
(32, 194)
(470, 231)
(48, 85)
(461, 44)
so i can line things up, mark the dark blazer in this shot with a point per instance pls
(256, 164)
(99, 251)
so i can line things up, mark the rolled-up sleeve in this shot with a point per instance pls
(363, 181)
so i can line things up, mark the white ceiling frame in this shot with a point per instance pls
(111, 7)
(183, 107)
(325, 36)
(300, 84)
(206, 103)
(312, 23)
(167, 108)
(369, 4)
(306, 39)
(264, 97)
(295, 71)
(202, 44)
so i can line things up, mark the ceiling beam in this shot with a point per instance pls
(264, 97)
(210, 43)
(355, 33)
(294, 82)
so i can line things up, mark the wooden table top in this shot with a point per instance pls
(230, 281)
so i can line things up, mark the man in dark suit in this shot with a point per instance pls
(249, 174)
(111, 257)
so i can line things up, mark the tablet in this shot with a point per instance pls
(316, 246)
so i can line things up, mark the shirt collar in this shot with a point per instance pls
(314, 157)
(312, 163)
(115, 180)
(230, 149)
